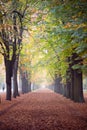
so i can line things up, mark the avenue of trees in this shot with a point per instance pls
(12, 16)
(57, 42)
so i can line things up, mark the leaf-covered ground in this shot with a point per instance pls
(42, 110)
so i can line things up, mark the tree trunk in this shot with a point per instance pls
(72, 85)
(57, 87)
(78, 88)
(8, 67)
(68, 84)
(15, 83)
(64, 90)
(29, 87)
(68, 79)
(24, 84)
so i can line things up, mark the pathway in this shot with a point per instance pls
(42, 110)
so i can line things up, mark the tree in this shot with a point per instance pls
(11, 38)
(25, 69)
(63, 35)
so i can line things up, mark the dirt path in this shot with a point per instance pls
(42, 110)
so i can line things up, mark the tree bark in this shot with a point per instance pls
(72, 85)
(77, 87)
(15, 82)
(58, 85)
(29, 86)
(68, 84)
(8, 67)
(24, 84)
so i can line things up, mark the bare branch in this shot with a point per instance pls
(2, 49)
